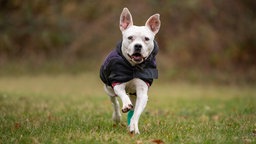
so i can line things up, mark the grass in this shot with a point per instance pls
(75, 109)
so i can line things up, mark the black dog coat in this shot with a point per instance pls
(116, 68)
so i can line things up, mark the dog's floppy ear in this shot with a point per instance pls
(153, 23)
(125, 19)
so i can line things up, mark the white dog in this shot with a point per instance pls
(129, 70)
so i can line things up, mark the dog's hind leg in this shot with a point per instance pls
(116, 117)
(130, 113)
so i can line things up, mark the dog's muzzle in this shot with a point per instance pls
(137, 57)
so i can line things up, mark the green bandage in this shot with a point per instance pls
(129, 116)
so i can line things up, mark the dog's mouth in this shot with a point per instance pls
(137, 57)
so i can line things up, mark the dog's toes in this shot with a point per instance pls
(126, 109)
(137, 132)
(133, 128)
(132, 133)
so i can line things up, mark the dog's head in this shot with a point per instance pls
(138, 41)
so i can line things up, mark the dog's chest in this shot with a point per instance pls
(130, 86)
(134, 85)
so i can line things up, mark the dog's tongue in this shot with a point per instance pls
(137, 57)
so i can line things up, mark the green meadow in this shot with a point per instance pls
(51, 51)
(74, 109)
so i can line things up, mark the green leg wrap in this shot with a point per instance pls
(129, 116)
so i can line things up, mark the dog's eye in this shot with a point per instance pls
(130, 38)
(146, 39)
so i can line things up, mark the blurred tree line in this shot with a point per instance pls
(202, 34)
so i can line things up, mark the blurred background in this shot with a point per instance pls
(200, 40)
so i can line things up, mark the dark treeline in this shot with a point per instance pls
(206, 34)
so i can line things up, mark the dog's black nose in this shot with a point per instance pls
(137, 47)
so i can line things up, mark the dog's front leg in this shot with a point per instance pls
(141, 102)
(120, 91)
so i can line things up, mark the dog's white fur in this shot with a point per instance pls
(132, 35)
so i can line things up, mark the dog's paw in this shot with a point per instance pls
(133, 127)
(134, 130)
(116, 117)
(127, 108)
